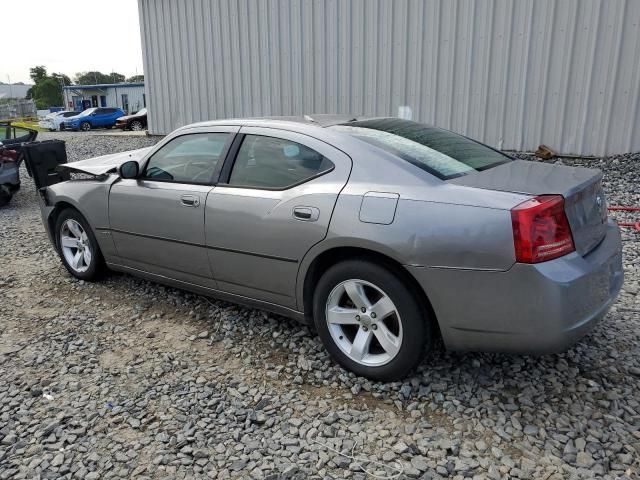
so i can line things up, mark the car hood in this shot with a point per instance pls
(106, 163)
(129, 117)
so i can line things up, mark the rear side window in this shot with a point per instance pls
(187, 159)
(440, 152)
(275, 163)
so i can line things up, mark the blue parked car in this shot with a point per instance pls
(94, 118)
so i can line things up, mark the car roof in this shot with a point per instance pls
(315, 120)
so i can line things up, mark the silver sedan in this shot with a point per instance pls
(385, 234)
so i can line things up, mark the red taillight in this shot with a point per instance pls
(541, 230)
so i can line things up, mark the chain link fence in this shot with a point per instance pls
(18, 108)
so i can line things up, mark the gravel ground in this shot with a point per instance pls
(129, 379)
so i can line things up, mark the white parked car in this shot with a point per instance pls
(54, 121)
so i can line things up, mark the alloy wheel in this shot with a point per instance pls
(75, 246)
(136, 126)
(364, 322)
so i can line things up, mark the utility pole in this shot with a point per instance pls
(10, 87)
(64, 100)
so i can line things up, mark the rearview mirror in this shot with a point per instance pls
(129, 169)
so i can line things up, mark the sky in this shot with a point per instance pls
(60, 35)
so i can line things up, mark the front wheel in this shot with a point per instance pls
(370, 321)
(136, 125)
(85, 126)
(77, 246)
(5, 195)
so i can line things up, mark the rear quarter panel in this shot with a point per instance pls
(436, 224)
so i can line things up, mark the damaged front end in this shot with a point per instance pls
(82, 185)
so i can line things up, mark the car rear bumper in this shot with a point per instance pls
(539, 308)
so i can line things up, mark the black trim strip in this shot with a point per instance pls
(271, 257)
(243, 252)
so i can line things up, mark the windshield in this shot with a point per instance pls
(440, 152)
(88, 111)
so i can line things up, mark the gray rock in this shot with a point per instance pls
(58, 460)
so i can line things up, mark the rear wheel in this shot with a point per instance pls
(85, 126)
(77, 246)
(136, 125)
(370, 321)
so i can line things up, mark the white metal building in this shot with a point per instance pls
(14, 90)
(130, 97)
(513, 74)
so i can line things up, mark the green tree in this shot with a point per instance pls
(94, 77)
(47, 89)
(38, 73)
(48, 93)
(62, 78)
(116, 77)
(136, 78)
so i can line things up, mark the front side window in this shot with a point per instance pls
(275, 163)
(187, 159)
(440, 152)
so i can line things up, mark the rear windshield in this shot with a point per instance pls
(440, 152)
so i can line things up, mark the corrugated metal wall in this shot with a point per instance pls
(513, 74)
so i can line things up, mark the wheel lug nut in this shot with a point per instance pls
(374, 326)
(364, 329)
(373, 314)
(363, 309)
(358, 317)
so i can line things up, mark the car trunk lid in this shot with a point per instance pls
(581, 188)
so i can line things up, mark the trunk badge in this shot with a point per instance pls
(599, 204)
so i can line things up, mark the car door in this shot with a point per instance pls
(273, 202)
(95, 118)
(103, 116)
(114, 114)
(157, 219)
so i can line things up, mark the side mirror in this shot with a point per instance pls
(129, 169)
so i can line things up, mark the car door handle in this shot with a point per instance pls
(190, 200)
(307, 214)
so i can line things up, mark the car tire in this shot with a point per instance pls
(380, 346)
(85, 126)
(52, 129)
(5, 195)
(77, 246)
(136, 126)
